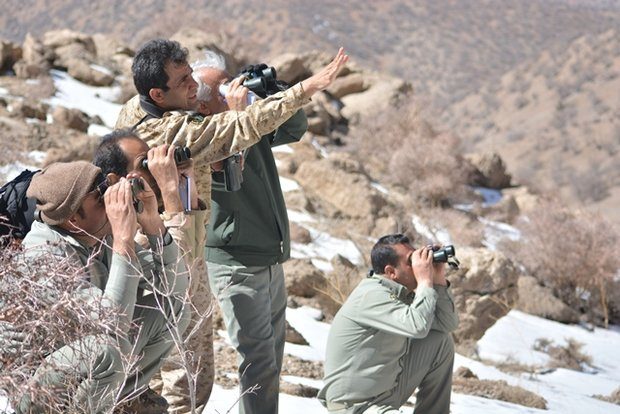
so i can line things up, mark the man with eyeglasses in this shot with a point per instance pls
(83, 220)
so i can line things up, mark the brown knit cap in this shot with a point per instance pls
(60, 189)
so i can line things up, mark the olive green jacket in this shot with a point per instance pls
(114, 278)
(370, 334)
(249, 227)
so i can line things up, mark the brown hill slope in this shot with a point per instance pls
(446, 48)
(556, 122)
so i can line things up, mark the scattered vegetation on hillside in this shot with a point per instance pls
(572, 252)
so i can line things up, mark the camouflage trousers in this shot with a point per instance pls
(172, 381)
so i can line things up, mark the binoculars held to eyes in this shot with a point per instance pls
(446, 254)
(181, 154)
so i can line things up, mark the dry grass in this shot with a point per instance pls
(336, 288)
(465, 382)
(613, 398)
(568, 356)
(571, 252)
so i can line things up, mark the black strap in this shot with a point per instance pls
(151, 109)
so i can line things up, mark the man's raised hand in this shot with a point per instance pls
(323, 78)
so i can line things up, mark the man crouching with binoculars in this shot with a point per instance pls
(392, 335)
(169, 171)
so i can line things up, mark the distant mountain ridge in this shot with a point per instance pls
(446, 48)
(555, 121)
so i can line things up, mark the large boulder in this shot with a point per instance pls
(539, 300)
(302, 278)
(484, 290)
(341, 186)
(107, 47)
(114, 54)
(290, 67)
(323, 114)
(59, 38)
(492, 171)
(71, 118)
(346, 85)
(83, 71)
(69, 45)
(381, 93)
(36, 59)
(35, 52)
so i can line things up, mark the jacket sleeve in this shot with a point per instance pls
(188, 231)
(446, 317)
(377, 309)
(163, 266)
(121, 283)
(121, 287)
(216, 137)
(292, 130)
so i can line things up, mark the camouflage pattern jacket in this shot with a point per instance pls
(210, 138)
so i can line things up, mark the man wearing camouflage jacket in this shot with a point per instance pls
(167, 91)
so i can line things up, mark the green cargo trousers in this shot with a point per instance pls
(427, 367)
(253, 302)
(98, 363)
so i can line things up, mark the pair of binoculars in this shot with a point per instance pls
(181, 154)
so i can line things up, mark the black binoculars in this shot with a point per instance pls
(260, 79)
(181, 154)
(441, 255)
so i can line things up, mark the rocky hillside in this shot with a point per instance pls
(356, 175)
(445, 48)
(555, 121)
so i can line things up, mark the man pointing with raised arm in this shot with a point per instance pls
(167, 90)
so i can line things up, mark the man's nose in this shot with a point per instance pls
(193, 84)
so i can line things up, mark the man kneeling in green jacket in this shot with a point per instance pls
(392, 335)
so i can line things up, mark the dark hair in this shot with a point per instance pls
(382, 253)
(149, 64)
(109, 156)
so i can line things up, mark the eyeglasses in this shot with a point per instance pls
(100, 188)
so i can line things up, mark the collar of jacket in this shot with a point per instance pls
(71, 240)
(396, 289)
(150, 107)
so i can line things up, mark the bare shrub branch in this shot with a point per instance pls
(46, 304)
(401, 148)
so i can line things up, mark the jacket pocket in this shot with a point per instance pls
(224, 229)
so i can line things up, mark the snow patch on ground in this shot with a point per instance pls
(288, 185)
(325, 246)
(89, 99)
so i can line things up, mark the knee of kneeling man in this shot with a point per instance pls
(109, 362)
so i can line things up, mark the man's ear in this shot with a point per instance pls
(157, 95)
(389, 271)
(113, 178)
(202, 108)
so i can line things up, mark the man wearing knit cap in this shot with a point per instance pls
(83, 220)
